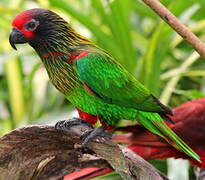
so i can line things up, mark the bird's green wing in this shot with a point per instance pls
(108, 80)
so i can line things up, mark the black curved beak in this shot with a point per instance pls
(16, 37)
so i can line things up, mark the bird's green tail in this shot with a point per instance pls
(154, 123)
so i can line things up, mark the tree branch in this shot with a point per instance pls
(180, 28)
(41, 152)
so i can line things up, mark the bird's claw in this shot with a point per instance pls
(93, 134)
(87, 136)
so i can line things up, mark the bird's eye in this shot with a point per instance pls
(31, 25)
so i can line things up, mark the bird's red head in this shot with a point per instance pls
(25, 23)
(34, 26)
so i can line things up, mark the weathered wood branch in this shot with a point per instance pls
(180, 28)
(41, 152)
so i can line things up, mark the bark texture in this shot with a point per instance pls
(42, 152)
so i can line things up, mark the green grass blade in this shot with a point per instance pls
(15, 86)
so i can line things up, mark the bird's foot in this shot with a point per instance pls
(93, 134)
(87, 136)
(66, 124)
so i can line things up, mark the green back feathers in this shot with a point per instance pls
(108, 79)
(114, 84)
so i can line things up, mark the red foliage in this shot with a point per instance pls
(87, 173)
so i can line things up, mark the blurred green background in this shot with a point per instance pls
(129, 30)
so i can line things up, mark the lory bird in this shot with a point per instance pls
(90, 78)
(189, 124)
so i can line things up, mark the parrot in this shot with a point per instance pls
(90, 78)
(189, 120)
